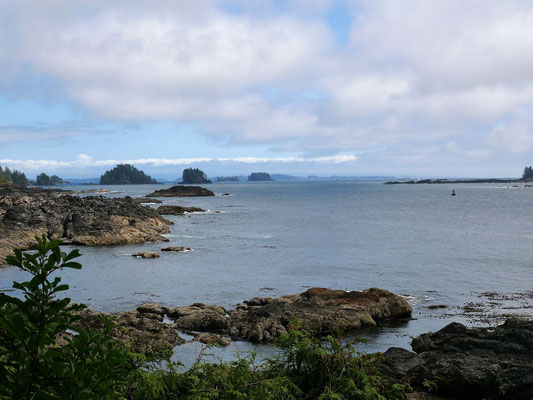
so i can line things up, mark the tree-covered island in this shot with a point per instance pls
(194, 176)
(125, 174)
(259, 177)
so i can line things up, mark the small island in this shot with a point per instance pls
(227, 179)
(259, 177)
(125, 174)
(45, 180)
(194, 176)
(181, 191)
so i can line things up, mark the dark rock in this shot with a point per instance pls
(176, 248)
(92, 220)
(469, 363)
(146, 254)
(181, 191)
(177, 210)
(437, 306)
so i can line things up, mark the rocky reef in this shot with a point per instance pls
(181, 191)
(92, 220)
(263, 319)
(469, 363)
(177, 210)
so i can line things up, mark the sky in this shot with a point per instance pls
(304, 87)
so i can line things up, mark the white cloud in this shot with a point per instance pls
(85, 161)
(414, 74)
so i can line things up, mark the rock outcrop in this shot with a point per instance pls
(181, 191)
(177, 210)
(143, 327)
(92, 220)
(176, 248)
(469, 363)
(146, 254)
(318, 309)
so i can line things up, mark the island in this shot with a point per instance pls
(259, 177)
(227, 179)
(194, 176)
(181, 191)
(45, 180)
(527, 176)
(125, 174)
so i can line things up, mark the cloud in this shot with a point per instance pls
(85, 161)
(412, 76)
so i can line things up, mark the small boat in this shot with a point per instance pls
(453, 192)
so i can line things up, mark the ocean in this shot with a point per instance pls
(468, 252)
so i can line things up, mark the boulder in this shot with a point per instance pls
(181, 191)
(146, 254)
(177, 210)
(469, 363)
(211, 338)
(200, 318)
(176, 248)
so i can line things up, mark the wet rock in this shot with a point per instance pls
(181, 191)
(152, 308)
(317, 309)
(200, 318)
(92, 220)
(145, 331)
(437, 306)
(176, 248)
(469, 363)
(146, 254)
(177, 210)
(211, 338)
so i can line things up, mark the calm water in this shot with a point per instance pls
(270, 239)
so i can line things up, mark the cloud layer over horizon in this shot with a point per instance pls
(433, 84)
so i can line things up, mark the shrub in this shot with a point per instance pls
(89, 365)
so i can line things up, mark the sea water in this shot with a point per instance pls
(276, 238)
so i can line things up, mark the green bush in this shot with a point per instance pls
(88, 365)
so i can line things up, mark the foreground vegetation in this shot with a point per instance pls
(46, 352)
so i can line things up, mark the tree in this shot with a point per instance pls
(194, 175)
(259, 176)
(17, 177)
(528, 173)
(125, 174)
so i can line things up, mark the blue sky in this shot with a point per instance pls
(412, 88)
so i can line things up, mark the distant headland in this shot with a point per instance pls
(527, 176)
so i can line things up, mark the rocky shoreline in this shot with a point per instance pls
(26, 212)
(456, 361)
(261, 319)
